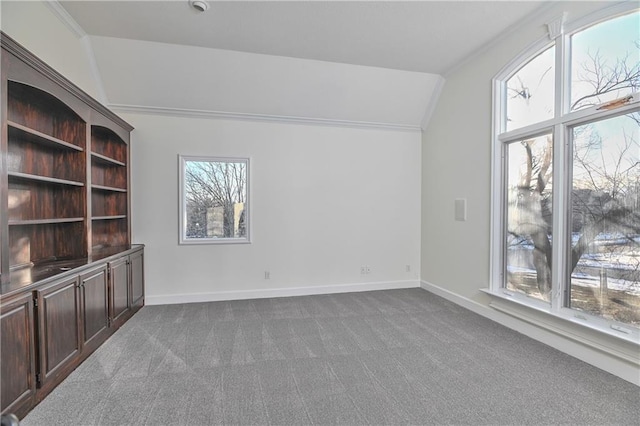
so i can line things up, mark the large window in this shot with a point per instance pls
(566, 167)
(214, 200)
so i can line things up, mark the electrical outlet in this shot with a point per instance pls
(267, 275)
(363, 270)
(368, 269)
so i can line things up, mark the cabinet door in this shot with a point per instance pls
(58, 320)
(137, 279)
(17, 356)
(119, 286)
(95, 306)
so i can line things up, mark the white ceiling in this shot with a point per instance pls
(423, 36)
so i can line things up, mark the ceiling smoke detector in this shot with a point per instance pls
(199, 5)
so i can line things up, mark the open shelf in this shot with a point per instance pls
(99, 158)
(108, 160)
(32, 201)
(43, 179)
(59, 163)
(120, 216)
(106, 204)
(38, 242)
(107, 144)
(44, 116)
(45, 221)
(18, 131)
(109, 233)
(108, 188)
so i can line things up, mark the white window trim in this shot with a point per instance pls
(182, 213)
(513, 303)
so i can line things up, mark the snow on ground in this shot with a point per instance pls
(629, 287)
(616, 262)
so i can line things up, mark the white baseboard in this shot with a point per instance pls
(216, 296)
(593, 355)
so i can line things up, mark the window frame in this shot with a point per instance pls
(182, 213)
(560, 127)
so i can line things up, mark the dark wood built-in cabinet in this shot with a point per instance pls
(69, 275)
(94, 306)
(120, 297)
(59, 326)
(17, 352)
(136, 261)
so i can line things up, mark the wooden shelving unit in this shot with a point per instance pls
(67, 177)
(69, 276)
(46, 175)
(109, 189)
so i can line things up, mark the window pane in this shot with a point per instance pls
(529, 216)
(605, 62)
(605, 206)
(215, 194)
(530, 92)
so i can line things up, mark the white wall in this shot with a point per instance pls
(456, 163)
(223, 81)
(39, 30)
(324, 201)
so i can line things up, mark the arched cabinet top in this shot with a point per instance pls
(29, 69)
(105, 126)
(41, 114)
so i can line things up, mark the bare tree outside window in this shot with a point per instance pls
(605, 62)
(602, 181)
(529, 216)
(530, 92)
(214, 199)
(605, 218)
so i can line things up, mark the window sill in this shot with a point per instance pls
(213, 241)
(617, 340)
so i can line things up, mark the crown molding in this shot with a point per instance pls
(65, 18)
(191, 113)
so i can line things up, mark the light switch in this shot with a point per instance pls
(461, 209)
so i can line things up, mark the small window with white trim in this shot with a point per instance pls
(214, 200)
(566, 175)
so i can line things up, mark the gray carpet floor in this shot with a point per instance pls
(384, 357)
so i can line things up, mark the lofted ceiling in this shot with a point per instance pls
(423, 36)
(371, 63)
